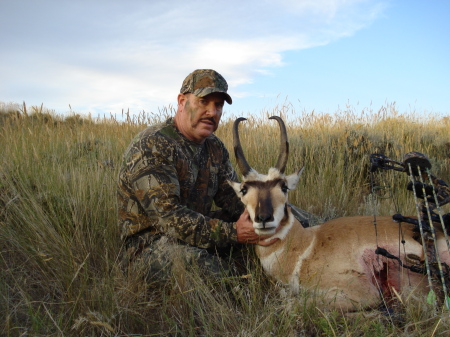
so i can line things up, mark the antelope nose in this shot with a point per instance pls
(264, 218)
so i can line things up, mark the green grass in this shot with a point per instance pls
(59, 243)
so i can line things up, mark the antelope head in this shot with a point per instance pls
(265, 196)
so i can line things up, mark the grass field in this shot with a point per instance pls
(59, 244)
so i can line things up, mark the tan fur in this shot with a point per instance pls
(336, 258)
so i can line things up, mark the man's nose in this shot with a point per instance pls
(212, 109)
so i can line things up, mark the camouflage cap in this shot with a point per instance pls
(202, 82)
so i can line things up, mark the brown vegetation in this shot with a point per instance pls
(59, 273)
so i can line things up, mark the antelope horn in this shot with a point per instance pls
(238, 153)
(284, 145)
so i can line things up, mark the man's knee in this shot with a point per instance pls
(164, 258)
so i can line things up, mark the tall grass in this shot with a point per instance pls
(59, 273)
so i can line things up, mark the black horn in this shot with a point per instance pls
(239, 154)
(284, 145)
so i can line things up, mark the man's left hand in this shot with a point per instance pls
(246, 232)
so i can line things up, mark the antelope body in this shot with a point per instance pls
(336, 258)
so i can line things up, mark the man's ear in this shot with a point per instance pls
(182, 99)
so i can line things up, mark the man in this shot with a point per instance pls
(171, 175)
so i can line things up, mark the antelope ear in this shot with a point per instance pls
(236, 187)
(292, 179)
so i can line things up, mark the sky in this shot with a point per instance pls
(105, 56)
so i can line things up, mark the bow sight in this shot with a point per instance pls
(417, 161)
(417, 166)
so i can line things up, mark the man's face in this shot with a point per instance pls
(199, 117)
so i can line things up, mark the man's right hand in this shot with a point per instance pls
(246, 232)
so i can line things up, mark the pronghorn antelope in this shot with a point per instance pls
(336, 258)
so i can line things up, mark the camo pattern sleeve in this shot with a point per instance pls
(168, 184)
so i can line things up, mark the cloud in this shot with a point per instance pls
(108, 55)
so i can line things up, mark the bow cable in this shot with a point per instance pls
(433, 233)
(422, 235)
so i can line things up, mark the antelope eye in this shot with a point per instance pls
(284, 188)
(244, 190)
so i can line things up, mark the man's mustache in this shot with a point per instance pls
(208, 119)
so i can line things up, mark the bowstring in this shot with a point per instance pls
(401, 237)
(400, 233)
(374, 209)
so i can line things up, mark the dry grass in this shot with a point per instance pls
(59, 273)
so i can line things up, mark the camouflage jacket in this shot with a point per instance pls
(167, 184)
